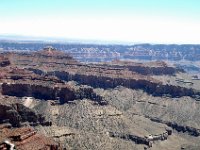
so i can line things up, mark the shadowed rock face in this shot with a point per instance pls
(4, 61)
(16, 114)
(49, 92)
(52, 92)
(21, 90)
(152, 87)
(136, 139)
(180, 128)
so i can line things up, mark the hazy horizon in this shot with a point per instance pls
(128, 21)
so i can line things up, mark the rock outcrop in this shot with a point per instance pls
(18, 115)
(4, 61)
(26, 138)
(62, 93)
(180, 128)
(136, 139)
(149, 85)
(150, 68)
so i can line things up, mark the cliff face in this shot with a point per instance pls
(153, 70)
(151, 87)
(110, 75)
(17, 114)
(21, 90)
(180, 128)
(63, 94)
(150, 68)
(4, 61)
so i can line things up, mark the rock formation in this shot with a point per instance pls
(26, 138)
(113, 105)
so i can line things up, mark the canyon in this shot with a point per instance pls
(118, 104)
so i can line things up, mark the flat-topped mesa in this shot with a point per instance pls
(50, 52)
(12, 74)
(50, 66)
(49, 48)
(48, 56)
(152, 68)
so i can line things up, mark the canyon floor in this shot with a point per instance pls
(50, 100)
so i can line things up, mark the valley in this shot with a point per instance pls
(118, 104)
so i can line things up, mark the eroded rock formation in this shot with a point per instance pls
(49, 90)
(26, 138)
(18, 115)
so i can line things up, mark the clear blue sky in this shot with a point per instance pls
(164, 21)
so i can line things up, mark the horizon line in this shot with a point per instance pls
(66, 40)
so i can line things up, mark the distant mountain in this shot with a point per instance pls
(21, 38)
(107, 52)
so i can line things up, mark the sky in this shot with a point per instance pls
(136, 21)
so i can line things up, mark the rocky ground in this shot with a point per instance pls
(118, 105)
